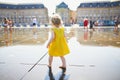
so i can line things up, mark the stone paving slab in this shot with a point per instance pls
(83, 63)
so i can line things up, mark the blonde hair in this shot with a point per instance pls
(56, 20)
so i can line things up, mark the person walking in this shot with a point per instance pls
(57, 44)
(34, 21)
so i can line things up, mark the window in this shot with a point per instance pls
(90, 5)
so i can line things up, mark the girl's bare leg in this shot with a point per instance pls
(63, 61)
(63, 67)
(50, 61)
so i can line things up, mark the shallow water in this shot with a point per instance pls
(94, 55)
(38, 36)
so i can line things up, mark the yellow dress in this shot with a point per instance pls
(58, 47)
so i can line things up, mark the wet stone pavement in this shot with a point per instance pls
(94, 55)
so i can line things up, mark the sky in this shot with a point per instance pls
(51, 4)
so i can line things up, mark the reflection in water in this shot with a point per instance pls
(8, 38)
(51, 77)
(116, 33)
(91, 34)
(62, 76)
(85, 35)
(59, 76)
(24, 36)
(38, 36)
(34, 33)
(101, 37)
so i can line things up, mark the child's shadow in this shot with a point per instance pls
(59, 76)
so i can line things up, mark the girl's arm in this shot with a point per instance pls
(51, 37)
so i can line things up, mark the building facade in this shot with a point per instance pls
(115, 10)
(98, 11)
(73, 17)
(63, 10)
(23, 13)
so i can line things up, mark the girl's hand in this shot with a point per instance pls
(47, 45)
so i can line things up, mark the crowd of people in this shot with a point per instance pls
(8, 23)
(90, 23)
(87, 22)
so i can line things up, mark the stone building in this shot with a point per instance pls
(23, 13)
(98, 11)
(73, 17)
(63, 10)
(115, 10)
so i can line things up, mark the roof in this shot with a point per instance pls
(99, 4)
(117, 3)
(62, 5)
(21, 6)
